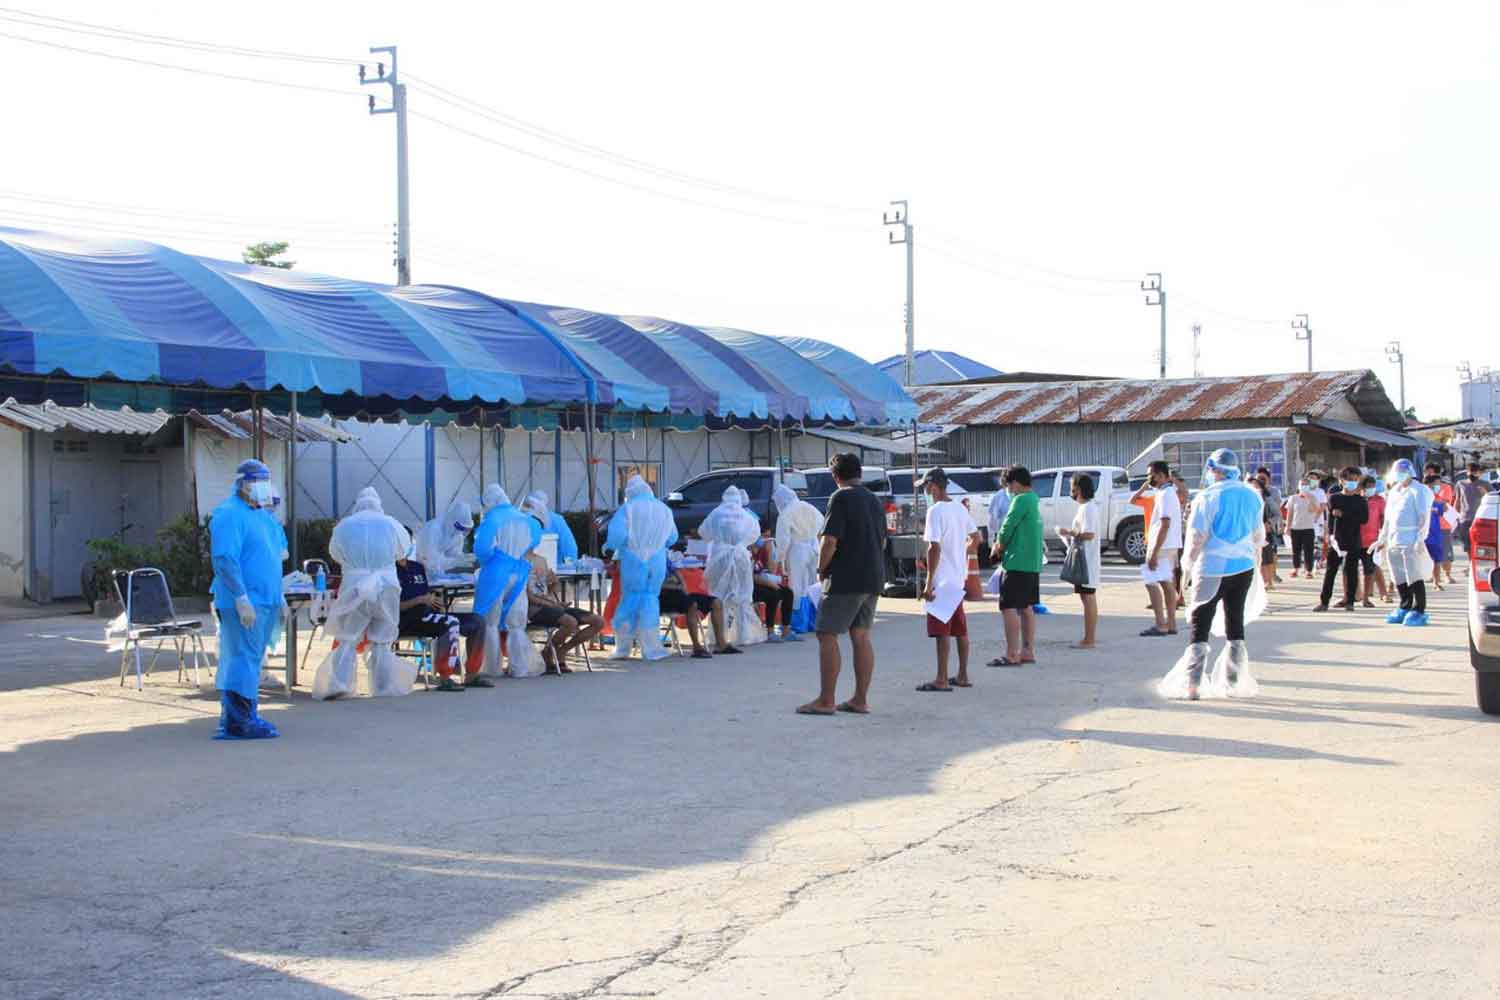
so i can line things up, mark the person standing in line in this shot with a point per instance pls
(1369, 534)
(1163, 545)
(1403, 542)
(1467, 497)
(1019, 551)
(1274, 500)
(947, 536)
(1443, 490)
(1303, 514)
(1184, 499)
(1439, 533)
(851, 563)
(1347, 514)
(1268, 550)
(1226, 534)
(1084, 533)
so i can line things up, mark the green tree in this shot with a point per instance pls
(265, 254)
(1410, 413)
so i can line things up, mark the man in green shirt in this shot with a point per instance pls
(1019, 552)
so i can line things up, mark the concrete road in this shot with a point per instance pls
(675, 831)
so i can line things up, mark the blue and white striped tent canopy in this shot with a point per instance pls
(139, 314)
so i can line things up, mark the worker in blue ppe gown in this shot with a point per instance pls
(504, 537)
(247, 545)
(567, 545)
(639, 534)
(1225, 534)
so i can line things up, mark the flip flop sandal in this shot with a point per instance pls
(846, 707)
(702, 654)
(960, 684)
(730, 650)
(1001, 661)
(929, 686)
(807, 710)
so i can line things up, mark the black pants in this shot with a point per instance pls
(773, 598)
(1413, 595)
(1302, 548)
(1232, 592)
(1349, 562)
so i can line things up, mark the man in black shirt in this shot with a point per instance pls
(1347, 513)
(851, 565)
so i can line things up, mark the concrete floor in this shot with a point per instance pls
(674, 830)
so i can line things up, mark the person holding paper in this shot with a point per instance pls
(947, 536)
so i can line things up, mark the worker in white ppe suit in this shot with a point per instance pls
(366, 545)
(439, 545)
(1402, 541)
(504, 537)
(730, 529)
(798, 525)
(639, 534)
(567, 546)
(1221, 557)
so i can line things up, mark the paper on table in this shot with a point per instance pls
(945, 600)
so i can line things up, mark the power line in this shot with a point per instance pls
(182, 69)
(1040, 269)
(18, 16)
(343, 225)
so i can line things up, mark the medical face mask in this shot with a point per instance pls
(261, 494)
(1351, 486)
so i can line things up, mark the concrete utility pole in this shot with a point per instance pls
(1197, 355)
(403, 200)
(1304, 332)
(1394, 355)
(902, 217)
(1151, 285)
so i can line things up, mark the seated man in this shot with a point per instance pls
(675, 600)
(422, 615)
(771, 587)
(575, 626)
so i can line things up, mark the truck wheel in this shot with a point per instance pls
(1130, 541)
(1486, 681)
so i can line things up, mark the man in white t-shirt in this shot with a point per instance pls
(948, 535)
(1163, 545)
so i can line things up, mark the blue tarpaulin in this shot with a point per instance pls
(155, 324)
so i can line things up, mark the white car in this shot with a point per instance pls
(1484, 604)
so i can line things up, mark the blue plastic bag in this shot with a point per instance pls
(804, 616)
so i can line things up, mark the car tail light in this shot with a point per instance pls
(1484, 551)
(892, 518)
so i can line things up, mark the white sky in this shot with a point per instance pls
(1338, 159)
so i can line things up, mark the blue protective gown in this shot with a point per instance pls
(1236, 511)
(639, 610)
(567, 545)
(501, 577)
(246, 544)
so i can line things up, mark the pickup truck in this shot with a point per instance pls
(693, 500)
(1124, 523)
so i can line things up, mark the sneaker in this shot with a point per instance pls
(478, 681)
(773, 637)
(1416, 619)
(793, 637)
(1396, 617)
(449, 684)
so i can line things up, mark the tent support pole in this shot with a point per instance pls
(257, 436)
(588, 460)
(481, 449)
(291, 542)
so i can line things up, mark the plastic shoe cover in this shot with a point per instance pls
(338, 674)
(1040, 609)
(1241, 682)
(390, 675)
(1397, 617)
(1415, 619)
(1175, 684)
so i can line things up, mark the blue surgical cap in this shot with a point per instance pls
(251, 470)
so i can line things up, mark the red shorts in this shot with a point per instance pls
(957, 626)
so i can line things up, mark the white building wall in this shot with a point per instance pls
(15, 513)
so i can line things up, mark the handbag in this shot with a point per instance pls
(1075, 568)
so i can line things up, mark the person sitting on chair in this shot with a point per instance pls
(676, 600)
(574, 626)
(422, 615)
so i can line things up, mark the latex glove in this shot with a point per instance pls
(245, 610)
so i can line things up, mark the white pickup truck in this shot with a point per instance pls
(1124, 523)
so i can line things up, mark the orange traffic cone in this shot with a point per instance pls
(973, 585)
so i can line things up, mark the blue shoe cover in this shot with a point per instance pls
(1397, 617)
(1416, 619)
(1040, 609)
(255, 729)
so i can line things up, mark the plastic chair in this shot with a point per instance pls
(669, 632)
(149, 615)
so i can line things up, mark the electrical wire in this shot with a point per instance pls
(336, 225)
(18, 16)
(287, 84)
(1022, 264)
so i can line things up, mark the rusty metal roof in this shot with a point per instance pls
(1146, 400)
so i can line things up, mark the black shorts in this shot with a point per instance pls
(1020, 589)
(1079, 588)
(1268, 555)
(677, 602)
(548, 616)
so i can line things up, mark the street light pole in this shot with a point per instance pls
(1394, 355)
(902, 217)
(1304, 332)
(1152, 285)
(403, 201)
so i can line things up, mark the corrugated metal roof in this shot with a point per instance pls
(899, 445)
(1248, 397)
(241, 427)
(932, 367)
(1368, 434)
(49, 417)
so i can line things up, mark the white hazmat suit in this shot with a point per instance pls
(504, 538)
(798, 525)
(439, 545)
(366, 545)
(730, 530)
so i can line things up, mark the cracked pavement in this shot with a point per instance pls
(674, 831)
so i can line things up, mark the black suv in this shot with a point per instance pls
(693, 500)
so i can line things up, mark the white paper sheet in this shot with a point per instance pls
(945, 600)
